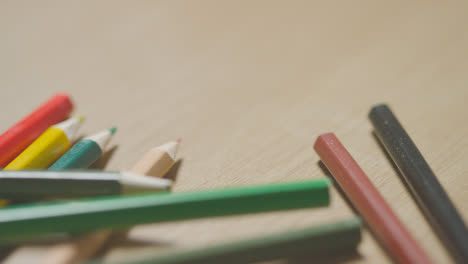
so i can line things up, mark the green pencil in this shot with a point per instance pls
(29, 221)
(316, 241)
(85, 152)
(30, 185)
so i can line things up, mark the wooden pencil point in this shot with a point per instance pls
(158, 160)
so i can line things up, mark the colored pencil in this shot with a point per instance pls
(22, 134)
(315, 241)
(158, 160)
(48, 147)
(368, 201)
(35, 185)
(33, 220)
(85, 152)
(423, 184)
(156, 163)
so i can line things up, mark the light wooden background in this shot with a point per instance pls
(249, 85)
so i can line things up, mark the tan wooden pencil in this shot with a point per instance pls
(156, 162)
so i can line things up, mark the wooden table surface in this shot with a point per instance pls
(249, 85)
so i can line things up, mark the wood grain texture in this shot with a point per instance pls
(249, 86)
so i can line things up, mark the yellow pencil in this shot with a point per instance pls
(48, 147)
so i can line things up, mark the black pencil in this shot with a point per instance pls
(423, 184)
(27, 185)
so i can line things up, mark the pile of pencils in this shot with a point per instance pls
(47, 189)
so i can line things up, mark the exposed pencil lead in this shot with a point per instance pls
(80, 118)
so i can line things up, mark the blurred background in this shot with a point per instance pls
(248, 85)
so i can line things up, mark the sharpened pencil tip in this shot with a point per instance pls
(170, 148)
(113, 129)
(80, 118)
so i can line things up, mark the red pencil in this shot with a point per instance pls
(23, 133)
(368, 201)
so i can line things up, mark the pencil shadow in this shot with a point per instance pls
(403, 181)
(393, 164)
(388, 157)
(77, 139)
(102, 162)
(121, 239)
(5, 251)
(325, 170)
(332, 257)
(353, 208)
(173, 172)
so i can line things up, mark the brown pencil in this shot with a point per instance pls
(156, 162)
